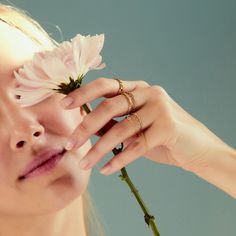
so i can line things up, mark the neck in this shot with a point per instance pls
(68, 221)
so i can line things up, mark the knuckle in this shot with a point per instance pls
(157, 105)
(108, 105)
(120, 128)
(77, 96)
(158, 98)
(143, 84)
(138, 146)
(119, 161)
(81, 95)
(101, 81)
(83, 92)
(165, 111)
(97, 149)
(84, 127)
(158, 90)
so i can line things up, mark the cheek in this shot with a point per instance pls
(55, 118)
(62, 121)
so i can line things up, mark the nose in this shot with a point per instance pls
(25, 133)
(25, 129)
(21, 124)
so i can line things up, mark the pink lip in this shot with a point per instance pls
(42, 157)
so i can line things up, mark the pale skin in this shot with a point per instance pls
(172, 135)
(49, 204)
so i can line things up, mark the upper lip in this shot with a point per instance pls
(41, 157)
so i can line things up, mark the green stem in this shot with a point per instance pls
(148, 218)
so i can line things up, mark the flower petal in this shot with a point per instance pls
(49, 69)
(85, 49)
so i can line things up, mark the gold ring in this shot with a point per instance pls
(121, 86)
(131, 101)
(139, 131)
(135, 116)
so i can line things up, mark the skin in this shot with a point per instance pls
(171, 135)
(50, 204)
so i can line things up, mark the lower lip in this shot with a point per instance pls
(49, 165)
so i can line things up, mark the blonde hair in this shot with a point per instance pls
(21, 20)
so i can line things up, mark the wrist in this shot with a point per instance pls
(219, 168)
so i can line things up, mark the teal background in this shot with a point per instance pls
(189, 48)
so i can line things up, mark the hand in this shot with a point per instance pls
(172, 136)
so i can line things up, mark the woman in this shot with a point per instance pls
(29, 202)
(31, 206)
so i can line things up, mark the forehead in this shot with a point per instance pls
(15, 49)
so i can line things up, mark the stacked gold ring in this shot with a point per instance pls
(131, 107)
(121, 86)
(135, 116)
(131, 101)
(128, 96)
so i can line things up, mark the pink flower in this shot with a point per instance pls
(56, 70)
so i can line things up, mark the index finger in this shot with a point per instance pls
(101, 87)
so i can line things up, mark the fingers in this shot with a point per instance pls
(152, 106)
(133, 151)
(109, 108)
(119, 132)
(146, 141)
(102, 87)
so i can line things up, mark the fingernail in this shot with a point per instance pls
(70, 143)
(65, 102)
(83, 163)
(105, 169)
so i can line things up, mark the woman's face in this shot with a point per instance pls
(26, 131)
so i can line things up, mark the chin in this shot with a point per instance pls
(55, 191)
(60, 198)
(63, 193)
(65, 189)
(59, 194)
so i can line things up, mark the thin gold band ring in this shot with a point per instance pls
(135, 116)
(121, 86)
(131, 101)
